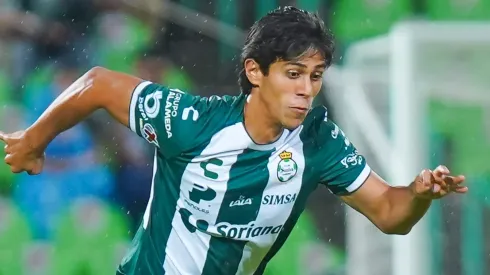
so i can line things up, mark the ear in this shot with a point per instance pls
(253, 72)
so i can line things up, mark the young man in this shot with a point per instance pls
(232, 174)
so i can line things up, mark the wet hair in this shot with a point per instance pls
(284, 34)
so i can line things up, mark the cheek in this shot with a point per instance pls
(282, 86)
(317, 87)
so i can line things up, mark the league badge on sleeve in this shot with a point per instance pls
(149, 134)
(287, 167)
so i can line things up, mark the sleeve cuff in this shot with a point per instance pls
(360, 179)
(134, 104)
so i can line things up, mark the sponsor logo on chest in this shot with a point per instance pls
(279, 199)
(242, 201)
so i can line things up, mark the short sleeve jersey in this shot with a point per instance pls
(220, 203)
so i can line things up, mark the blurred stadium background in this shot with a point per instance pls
(409, 86)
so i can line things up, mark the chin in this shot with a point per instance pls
(293, 124)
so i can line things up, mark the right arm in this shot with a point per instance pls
(167, 118)
(96, 89)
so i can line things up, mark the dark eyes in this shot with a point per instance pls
(317, 76)
(293, 74)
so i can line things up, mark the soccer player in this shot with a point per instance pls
(232, 174)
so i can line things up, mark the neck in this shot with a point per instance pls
(260, 125)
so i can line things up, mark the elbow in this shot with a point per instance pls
(390, 226)
(96, 73)
(88, 88)
(97, 80)
(92, 78)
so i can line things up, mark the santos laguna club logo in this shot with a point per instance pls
(287, 167)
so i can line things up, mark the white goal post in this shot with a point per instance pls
(380, 96)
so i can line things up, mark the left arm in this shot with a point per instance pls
(394, 210)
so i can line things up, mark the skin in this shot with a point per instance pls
(282, 98)
(279, 100)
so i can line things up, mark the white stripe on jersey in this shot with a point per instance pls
(275, 213)
(146, 216)
(134, 102)
(183, 245)
(360, 179)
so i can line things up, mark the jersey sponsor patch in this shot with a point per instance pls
(200, 193)
(245, 231)
(242, 201)
(227, 230)
(171, 108)
(152, 104)
(352, 159)
(149, 134)
(279, 199)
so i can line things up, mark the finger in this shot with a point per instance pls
(3, 136)
(15, 169)
(458, 188)
(32, 172)
(35, 169)
(458, 179)
(452, 181)
(426, 176)
(436, 188)
(461, 189)
(437, 178)
(6, 149)
(8, 159)
(441, 171)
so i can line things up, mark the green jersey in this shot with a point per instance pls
(220, 203)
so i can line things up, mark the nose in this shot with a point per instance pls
(304, 87)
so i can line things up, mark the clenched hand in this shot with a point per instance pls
(21, 155)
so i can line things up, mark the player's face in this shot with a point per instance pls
(291, 86)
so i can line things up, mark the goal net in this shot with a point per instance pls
(414, 98)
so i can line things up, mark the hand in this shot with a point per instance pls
(437, 184)
(21, 155)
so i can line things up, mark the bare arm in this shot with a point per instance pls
(131, 101)
(98, 88)
(395, 210)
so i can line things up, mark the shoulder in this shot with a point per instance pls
(180, 120)
(214, 112)
(323, 133)
(185, 107)
(200, 118)
(229, 107)
(210, 115)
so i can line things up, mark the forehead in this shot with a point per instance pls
(308, 59)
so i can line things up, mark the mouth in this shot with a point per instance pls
(301, 110)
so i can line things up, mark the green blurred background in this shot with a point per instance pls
(78, 217)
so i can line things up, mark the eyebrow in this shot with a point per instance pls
(294, 63)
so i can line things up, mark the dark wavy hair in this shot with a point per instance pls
(285, 34)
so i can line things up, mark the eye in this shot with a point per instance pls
(317, 76)
(293, 74)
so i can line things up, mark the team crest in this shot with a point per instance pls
(287, 167)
